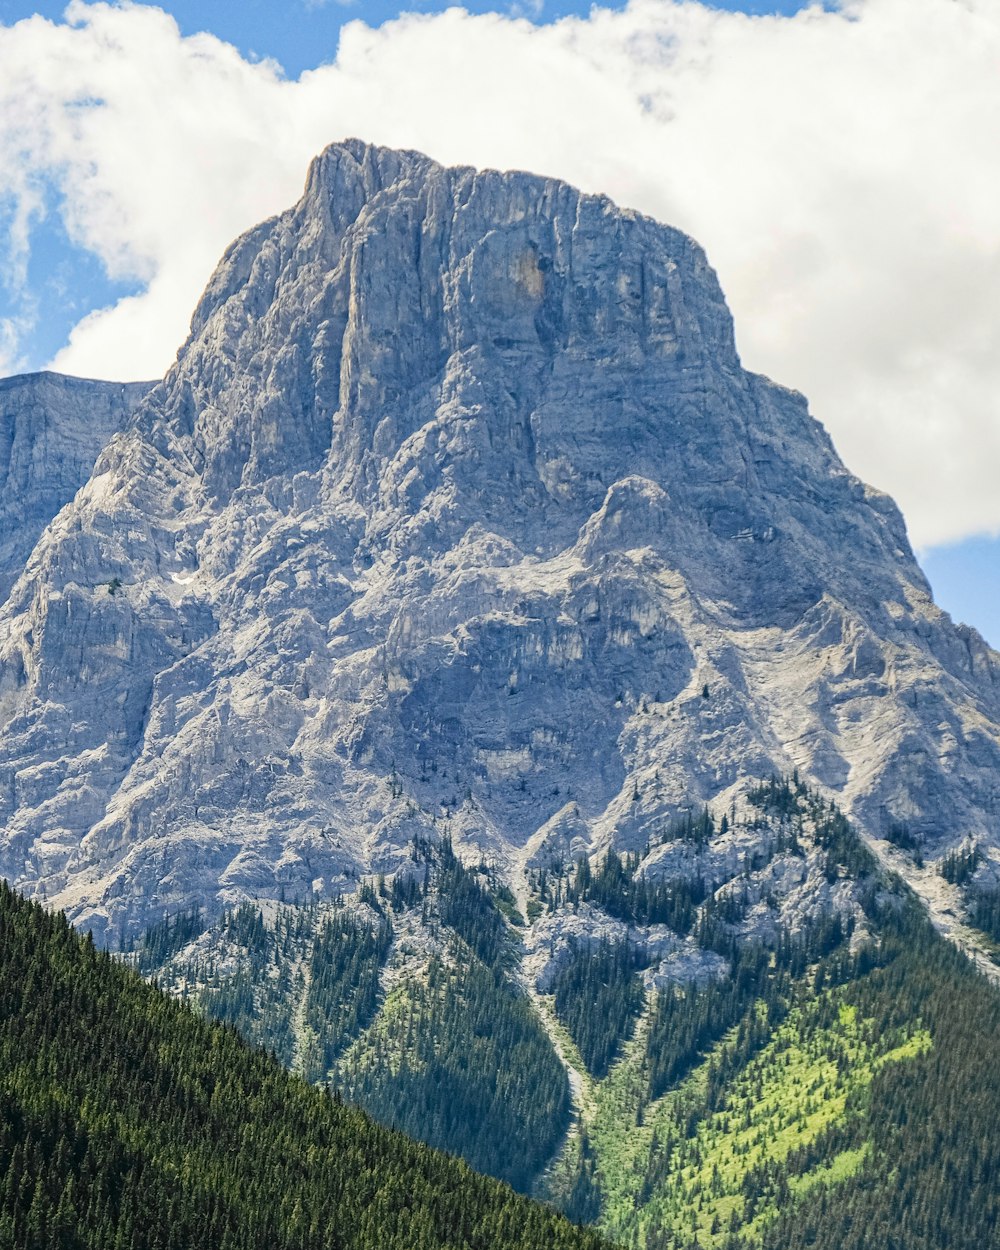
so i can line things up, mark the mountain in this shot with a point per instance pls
(52, 429)
(461, 676)
(125, 1121)
(459, 511)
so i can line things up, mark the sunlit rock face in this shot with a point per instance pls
(457, 513)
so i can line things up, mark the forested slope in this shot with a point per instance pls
(127, 1122)
(792, 1058)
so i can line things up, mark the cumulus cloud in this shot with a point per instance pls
(841, 168)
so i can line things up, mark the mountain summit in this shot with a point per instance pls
(458, 514)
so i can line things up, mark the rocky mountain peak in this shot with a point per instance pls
(458, 512)
(394, 282)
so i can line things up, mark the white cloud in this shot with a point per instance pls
(11, 330)
(841, 169)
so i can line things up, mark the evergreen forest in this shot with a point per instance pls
(129, 1123)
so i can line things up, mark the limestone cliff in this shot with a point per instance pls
(51, 431)
(459, 513)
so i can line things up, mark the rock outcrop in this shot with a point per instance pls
(52, 429)
(458, 513)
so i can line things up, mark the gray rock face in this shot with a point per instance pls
(458, 513)
(51, 431)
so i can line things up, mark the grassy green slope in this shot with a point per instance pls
(930, 1179)
(703, 1164)
(126, 1122)
(858, 1116)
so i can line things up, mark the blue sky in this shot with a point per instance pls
(854, 230)
(301, 35)
(966, 580)
(69, 281)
